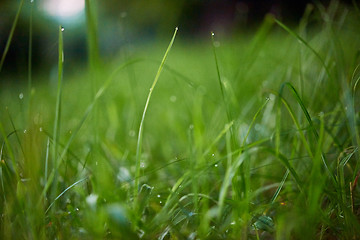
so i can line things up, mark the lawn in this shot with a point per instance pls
(253, 136)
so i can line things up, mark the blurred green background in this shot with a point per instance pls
(126, 24)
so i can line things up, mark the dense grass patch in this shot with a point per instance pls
(248, 137)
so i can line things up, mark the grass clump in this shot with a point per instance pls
(250, 139)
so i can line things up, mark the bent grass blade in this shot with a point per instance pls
(140, 134)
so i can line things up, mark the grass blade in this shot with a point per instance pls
(308, 118)
(253, 121)
(140, 134)
(89, 109)
(11, 35)
(219, 78)
(306, 44)
(56, 129)
(63, 192)
(30, 52)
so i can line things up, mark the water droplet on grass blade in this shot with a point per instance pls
(132, 133)
(173, 98)
(158, 195)
(215, 165)
(21, 96)
(62, 28)
(91, 200)
(123, 175)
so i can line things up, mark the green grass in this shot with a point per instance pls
(253, 136)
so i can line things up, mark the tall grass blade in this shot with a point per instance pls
(15, 132)
(92, 36)
(253, 121)
(301, 40)
(283, 159)
(219, 79)
(7, 46)
(9, 149)
(30, 52)
(56, 129)
(63, 192)
(277, 192)
(46, 162)
(140, 134)
(217, 139)
(89, 109)
(229, 174)
(308, 118)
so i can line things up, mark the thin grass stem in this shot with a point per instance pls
(7, 46)
(140, 134)
(63, 192)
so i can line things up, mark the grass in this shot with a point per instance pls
(249, 137)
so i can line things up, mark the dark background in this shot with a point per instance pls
(130, 22)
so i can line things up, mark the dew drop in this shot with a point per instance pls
(177, 28)
(160, 202)
(173, 99)
(132, 133)
(142, 165)
(91, 200)
(62, 29)
(215, 165)
(151, 89)
(212, 34)
(158, 195)
(31, 1)
(213, 155)
(21, 96)
(40, 129)
(25, 131)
